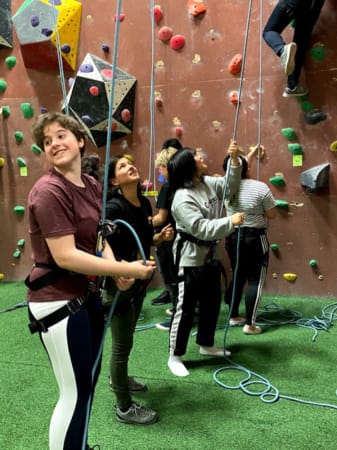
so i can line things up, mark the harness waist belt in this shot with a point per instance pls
(43, 324)
(250, 231)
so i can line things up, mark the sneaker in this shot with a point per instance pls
(288, 57)
(213, 351)
(177, 367)
(169, 312)
(163, 326)
(236, 321)
(134, 385)
(298, 91)
(95, 447)
(137, 415)
(162, 299)
(252, 329)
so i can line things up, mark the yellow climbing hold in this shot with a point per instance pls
(290, 276)
(333, 146)
(2, 276)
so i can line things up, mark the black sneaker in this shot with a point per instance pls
(137, 415)
(134, 385)
(162, 299)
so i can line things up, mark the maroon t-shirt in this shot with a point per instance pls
(57, 207)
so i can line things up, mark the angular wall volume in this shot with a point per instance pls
(6, 35)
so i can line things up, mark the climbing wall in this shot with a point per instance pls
(180, 55)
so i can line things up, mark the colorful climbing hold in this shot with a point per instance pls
(17, 254)
(5, 111)
(318, 51)
(289, 133)
(179, 132)
(157, 13)
(65, 48)
(21, 243)
(333, 146)
(177, 42)
(94, 91)
(2, 276)
(307, 106)
(3, 85)
(121, 17)
(105, 48)
(282, 204)
(196, 7)
(126, 115)
(314, 116)
(10, 62)
(27, 110)
(234, 67)
(21, 162)
(295, 148)
(36, 149)
(2, 162)
(277, 180)
(34, 21)
(290, 276)
(274, 247)
(234, 97)
(313, 263)
(165, 33)
(19, 209)
(18, 136)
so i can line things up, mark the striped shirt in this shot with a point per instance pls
(253, 198)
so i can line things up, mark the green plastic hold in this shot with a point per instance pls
(10, 62)
(274, 247)
(18, 135)
(6, 111)
(313, 263)
(292, 23)
(307, 106)
(36, 149)
(277, 180)
(318, 52)
(19, 209)
(296, 149)
(281, 203)
(3, 85)
(289, 133)
(17, 254)
(21, 243)
(21, 162)
(27, 110)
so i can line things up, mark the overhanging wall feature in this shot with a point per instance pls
(89, 99)
(39, 25)
(6, 35)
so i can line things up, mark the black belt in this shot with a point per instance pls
(69, 308)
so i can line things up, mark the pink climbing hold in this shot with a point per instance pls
(165, 33)
(179, 132)
(107, 73)
(126, 115)
(94, 91)
(121, 17)
(158, 13)
(177, 42)
(159, 102)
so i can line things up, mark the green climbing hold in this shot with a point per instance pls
(318, 52)
(289, 133)
(21, 243)
(3, 85)
(36, 149)
(18, 135)
(19, 209)
(21, 162)
(274, 247)
(281, 203)
(277, 180)
(296, 149)
(27, 110)
(313, 263)
(307, 106)
(6, 111)
(10, 62)
(292, 23)
(17, 254)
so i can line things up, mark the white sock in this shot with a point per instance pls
(177, 367)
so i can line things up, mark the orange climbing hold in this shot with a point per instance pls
(196, 7)
(234, 66)
(234, 97)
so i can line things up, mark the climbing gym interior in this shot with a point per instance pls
(196, 70)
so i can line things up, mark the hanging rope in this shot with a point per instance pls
(60, 60)
(259, 96)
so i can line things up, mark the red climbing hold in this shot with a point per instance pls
(234, 98)
(165, 33)
(94, 91)
(234, 66)
(177, 42)
(158, 13)
(179, 132)
(126, 115)
(121, 17)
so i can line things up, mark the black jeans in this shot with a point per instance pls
(305, 13)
